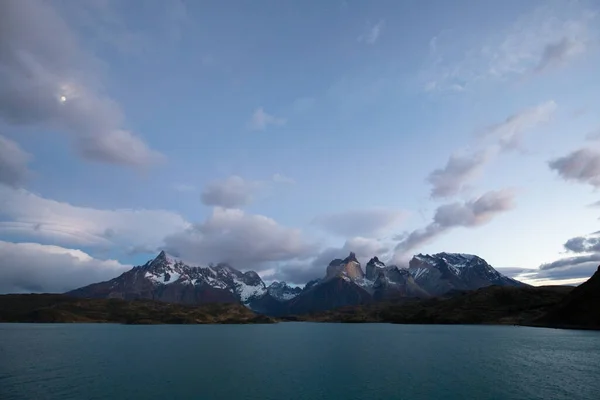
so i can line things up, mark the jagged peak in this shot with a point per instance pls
(351, 257)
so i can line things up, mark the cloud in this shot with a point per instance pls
(33, 267)
(593, 135)
(233, 192)
(372, 33)
(558, 53)
(572, 261)
(509, 133)
(459, 170)
(184, 187)
(13, 163)
(261, 120)
(280, 178)
(548, 36)
(367, 222)
(25, 214)
(47, 80)
(581, 166)
(243, 240)
(582, 244)
(469, 214)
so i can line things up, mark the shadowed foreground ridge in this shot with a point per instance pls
(489, 305)
(60, 308)
(581, 308)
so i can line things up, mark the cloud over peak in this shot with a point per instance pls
(244, 240)
(467, 214)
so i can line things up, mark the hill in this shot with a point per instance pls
(60, 308)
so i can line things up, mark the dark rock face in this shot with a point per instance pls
(374, 266)
(442, 272)
(333, 293)
(580, 309)
(393, 282)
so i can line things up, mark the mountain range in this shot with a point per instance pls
(169, 279)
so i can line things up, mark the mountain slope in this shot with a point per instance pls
(488, 305)
(168, 279)
(442, 272)
(581, 308)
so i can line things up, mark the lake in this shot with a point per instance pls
(297, 361)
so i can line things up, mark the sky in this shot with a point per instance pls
(278, 135)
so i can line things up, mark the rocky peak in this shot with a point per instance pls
(374, 266)
(351, 257)
(282, 291)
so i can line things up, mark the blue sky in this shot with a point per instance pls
(276, 135)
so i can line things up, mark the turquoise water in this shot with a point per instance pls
(296, 361)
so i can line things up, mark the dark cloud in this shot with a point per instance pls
(243, 240)
(557, 53)
(47, 79)
(459, 170)
(583, 244)
(233, 192)
(572, 261)
(448, 216)
(575, 271)
(581, 166)
(13, 163)
(367, 223)
(513, 272)
(32, 267)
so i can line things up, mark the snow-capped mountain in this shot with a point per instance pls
(439, 273)
(282, 291)
(168, 278)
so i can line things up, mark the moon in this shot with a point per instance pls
(63, 99)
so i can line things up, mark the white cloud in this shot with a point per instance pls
(26, 214)
(280, 178)
(373, 32)
(581, 166)
(509, 132)
(459, 170)
(47, 79)
(261, 120)
(366, 222)
(244, 240)
(550, 36)
(464, 167)
(13, 163)
(233, 192)
(469, 214)
(33, 267)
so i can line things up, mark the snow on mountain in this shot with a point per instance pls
(441, 272)
(282, 291)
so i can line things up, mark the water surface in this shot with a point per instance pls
(296, 361)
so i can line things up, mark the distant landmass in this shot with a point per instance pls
(444, 288)
(169, 279)
(56, 308)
